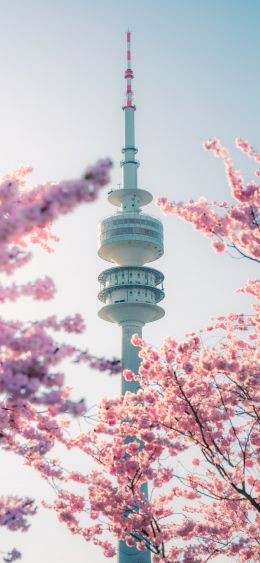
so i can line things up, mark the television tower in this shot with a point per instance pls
(129, 239)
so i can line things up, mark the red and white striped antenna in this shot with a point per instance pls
(129, 75)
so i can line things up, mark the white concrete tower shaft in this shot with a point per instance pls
(130, 291)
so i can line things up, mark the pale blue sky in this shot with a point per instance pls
(196, 65)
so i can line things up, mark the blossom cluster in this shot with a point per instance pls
(14, 512)
(26, 215)
(13, 515)
(39, 289)
(234, 226)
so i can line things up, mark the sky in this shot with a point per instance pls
(196, 66)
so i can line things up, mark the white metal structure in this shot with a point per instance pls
(129, 239)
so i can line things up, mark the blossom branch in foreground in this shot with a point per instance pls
(26, 215)
(32, 391)
(234, 226)
(27, 351)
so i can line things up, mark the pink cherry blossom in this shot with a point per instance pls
(219, 246)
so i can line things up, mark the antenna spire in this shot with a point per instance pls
(129, 75)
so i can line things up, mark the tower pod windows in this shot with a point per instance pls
(129, 284)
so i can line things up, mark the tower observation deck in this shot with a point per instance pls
(129, 290)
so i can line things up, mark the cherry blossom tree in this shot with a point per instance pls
(195, 399)
(32, 391)
(194, 422)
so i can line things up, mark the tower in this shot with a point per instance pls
(129, 239)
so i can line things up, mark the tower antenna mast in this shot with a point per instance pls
(129, 75)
